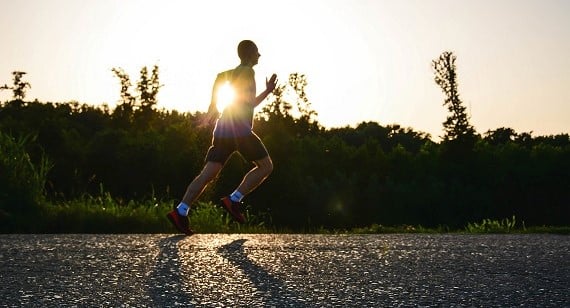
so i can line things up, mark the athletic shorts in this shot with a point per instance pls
(250, 147)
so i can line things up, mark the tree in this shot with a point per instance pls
(457, 126)
(279, 108)
(124, 111)
(19, 86)
(298, 82)
(138, 107)
(501, 135)
(291, 107)
(148, 88)
(127, 100)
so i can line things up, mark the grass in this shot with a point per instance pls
(511, 225)
(98, 215)
(21, 181)
(505, 225)
(486, 226)
(104, 214)
(377, 228)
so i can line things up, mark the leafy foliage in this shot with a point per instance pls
(21, 181)
(19, 86)
(341, 178)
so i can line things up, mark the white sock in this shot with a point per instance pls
(183, 209)
(236, 196)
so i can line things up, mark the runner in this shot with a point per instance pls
(232, 133)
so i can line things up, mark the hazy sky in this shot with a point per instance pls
(364, 59)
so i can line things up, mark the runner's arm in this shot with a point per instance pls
(269, 87)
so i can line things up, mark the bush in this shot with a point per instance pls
(22, 182)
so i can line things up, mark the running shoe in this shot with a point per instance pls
(233, 208)
(180, 222)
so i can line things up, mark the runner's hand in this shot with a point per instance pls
(271, 83)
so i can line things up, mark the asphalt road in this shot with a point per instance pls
(284, 270)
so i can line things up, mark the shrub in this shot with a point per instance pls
(22, 182)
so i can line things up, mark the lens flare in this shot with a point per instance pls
(226, 95)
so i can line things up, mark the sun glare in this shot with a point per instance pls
(225, 96)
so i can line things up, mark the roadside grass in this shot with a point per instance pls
(510, 225)
(505, 225)
(377, 228)
(99, 215)
(486, 226)
(104, 214)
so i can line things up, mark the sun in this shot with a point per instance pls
(225, 96)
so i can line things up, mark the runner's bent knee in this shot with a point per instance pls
(265, 164)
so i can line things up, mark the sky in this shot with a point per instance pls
(365, 60)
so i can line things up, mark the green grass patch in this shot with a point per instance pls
(563, 230)
(102, 214)
(378, 229)
(505, 225)
(105, 214)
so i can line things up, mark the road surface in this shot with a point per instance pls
(220, 270)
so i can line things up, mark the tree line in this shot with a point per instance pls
(332, 177)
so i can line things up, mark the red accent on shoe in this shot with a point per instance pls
(233, 209)
(180, 222)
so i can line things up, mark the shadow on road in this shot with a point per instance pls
(271, 288)
(165, 281)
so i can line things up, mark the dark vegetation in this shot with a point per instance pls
(72, 167)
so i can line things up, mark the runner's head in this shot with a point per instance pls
(248, 53)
